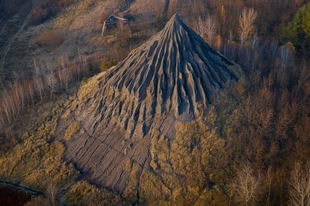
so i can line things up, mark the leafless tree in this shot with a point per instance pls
(37, 68)
(248, 57)
(39, 86)
(14, 90)
(273, 48)
(82, 60)
(200, 27)
(247, 186)
(300, 185)
(50, 79)
(269, 180)
(6, 107)
(254, 42)
(246, 24)
(210, 29)
(30, 92)
(51, 192)
(207, 28)
(285, 55)
(231, 37)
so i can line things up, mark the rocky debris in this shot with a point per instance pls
(171, 78)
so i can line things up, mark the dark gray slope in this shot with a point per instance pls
(171, 78)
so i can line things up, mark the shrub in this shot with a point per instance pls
(39, 14)
(38, 201)
(113, 62)
(83, 193)
(49, 38)
(84, 81)
(64, 3)
(104, 65)
(72, 130)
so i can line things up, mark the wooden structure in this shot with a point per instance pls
(111, 20)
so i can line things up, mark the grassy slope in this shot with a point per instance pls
(36, 160)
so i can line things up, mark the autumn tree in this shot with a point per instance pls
(247, 186)
(246, 24)
(300, 185)
(200, 27)
(206, 28)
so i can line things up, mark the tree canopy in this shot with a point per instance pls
(298, 31)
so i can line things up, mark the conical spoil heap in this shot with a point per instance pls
(172, 77)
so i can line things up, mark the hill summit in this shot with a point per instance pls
(171, 78)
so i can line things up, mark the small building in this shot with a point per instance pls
(112, 20)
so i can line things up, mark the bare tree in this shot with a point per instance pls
(207, 28)
(286, 55)
(200, 27)
(254, 42)
(210, 29)
(247, 186)
(50, 79)
(273, 48)
(51, 192)
(30, 92)
(37, 68)
(39, 86)
(6, 107)
(300, 185)
(246, 24)
(18, 92)
(231, 37)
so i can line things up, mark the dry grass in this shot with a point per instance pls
(34, 161)
(49, 38)
(83, 193)
(89, 87)
(72, 130)
(66, 114)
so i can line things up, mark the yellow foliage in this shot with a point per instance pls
(135, 171)
(182, 166)
(84, 194)
(35, 162)
(66, 114)
(72, 130)
(90, 86)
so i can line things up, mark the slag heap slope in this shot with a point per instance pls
(171, 78)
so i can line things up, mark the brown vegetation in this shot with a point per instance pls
(72, 130)
(256, 130)
(245, 150)
(47, 8)
(49, 38)
(85, 194)
(46, 81)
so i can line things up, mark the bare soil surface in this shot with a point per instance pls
(173, 77)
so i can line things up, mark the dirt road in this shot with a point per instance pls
(19, 187)
(8, 46)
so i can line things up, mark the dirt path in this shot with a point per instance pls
(8, 46)
(166, 7)
(19, 187)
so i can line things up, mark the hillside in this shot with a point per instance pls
(173, 77)
(182, 119)
(71, 29)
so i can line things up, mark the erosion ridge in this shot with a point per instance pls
(171, 78)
